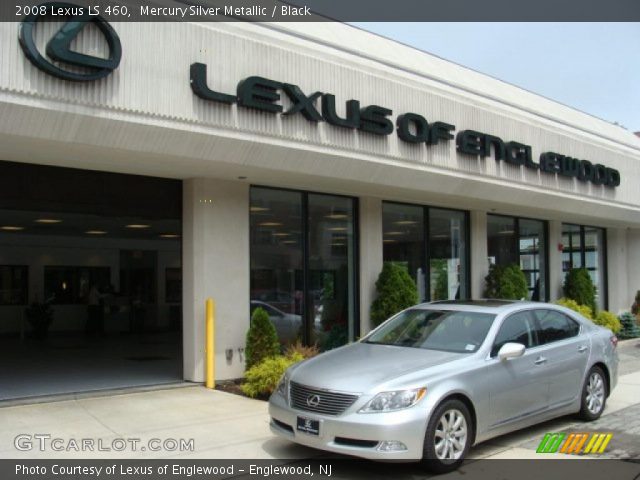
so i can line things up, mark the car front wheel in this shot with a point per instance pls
(448, 437)
(594, 395)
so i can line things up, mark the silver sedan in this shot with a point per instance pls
(440, 377)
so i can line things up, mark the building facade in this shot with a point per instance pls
(306, 156)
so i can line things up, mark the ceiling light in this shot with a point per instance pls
(506, 232)
(270, 224)
(394, 233)
(406, 222)
(388, 240)
(11, 228)
(290, 241)
(95, 232)
(337, 216)
(338, 229)
(48, 220)
(253, 209)
(281, 234)
(169, 235)
(137, 225)
(440, 235)
(338, 244)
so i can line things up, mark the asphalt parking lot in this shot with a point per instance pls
(226, 426)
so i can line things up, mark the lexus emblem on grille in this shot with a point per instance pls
(313, 400)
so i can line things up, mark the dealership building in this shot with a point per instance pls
(146, 167)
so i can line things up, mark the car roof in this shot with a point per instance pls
(488, 305)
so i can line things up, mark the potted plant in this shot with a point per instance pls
(39, 315)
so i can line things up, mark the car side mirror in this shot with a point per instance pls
(511, 350)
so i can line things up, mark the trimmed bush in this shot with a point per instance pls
(573, 305)
(579, 287)
(262, 379)
(396, 291)
(506, 282)
(629, 328)
(262, 339)
(608, 320)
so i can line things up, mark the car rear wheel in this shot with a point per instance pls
(594, 395)
(448, 437)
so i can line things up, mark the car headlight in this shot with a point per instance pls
(282, 385)
(391, 401)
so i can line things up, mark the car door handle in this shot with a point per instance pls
(540, 360)
(582, 348)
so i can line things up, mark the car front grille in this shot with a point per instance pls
(316, 400)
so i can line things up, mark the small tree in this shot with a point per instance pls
(262, 339)
(506, 282)
(396, 291)
(579, 287)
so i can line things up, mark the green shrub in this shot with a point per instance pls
(506, 282)
(262, 339)
(396, 291)
(262, 379)
(583, 310)
(629, 328)
(579, 287)
(608, 320)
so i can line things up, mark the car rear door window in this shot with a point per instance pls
(516, 328)
(556, 326)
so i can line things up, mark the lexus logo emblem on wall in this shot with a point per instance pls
(59, 50)
(313, 400)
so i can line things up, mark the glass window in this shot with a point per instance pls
(555, 326)
(331, 274)
(517, 328)
(71, 285)
(447, 254)
(584, 247)
(452, 331)
(403, 240)
(14, 283)
(303, 265)
(437, 263)
(520, 241)
(501, 240)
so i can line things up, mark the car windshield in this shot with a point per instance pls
(448, 330)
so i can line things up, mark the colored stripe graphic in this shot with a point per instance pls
(550, 443)
(573, 443)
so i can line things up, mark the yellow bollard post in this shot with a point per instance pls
(209, 342)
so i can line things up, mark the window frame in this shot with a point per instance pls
(426, 234)
(568, 317)
(536, 328)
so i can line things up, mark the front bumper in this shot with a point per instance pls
(352, 433)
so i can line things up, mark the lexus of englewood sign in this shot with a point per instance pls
(264, 95)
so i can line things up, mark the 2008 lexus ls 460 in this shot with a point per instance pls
(437, 378)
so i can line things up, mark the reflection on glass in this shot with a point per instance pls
(331, 291)
(323, 312)
(584, 247)
(276, 259)
(501, 240)
(447, 254)
(403, 239)
(532, 257)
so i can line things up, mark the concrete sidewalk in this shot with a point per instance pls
(229, 426)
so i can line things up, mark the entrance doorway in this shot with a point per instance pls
(90, 280)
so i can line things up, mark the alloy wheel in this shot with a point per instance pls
(450, 436)
(595, 393)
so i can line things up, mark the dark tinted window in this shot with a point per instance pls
(556, 326)
(517, 328)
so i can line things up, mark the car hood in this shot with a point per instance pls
(361, 367)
